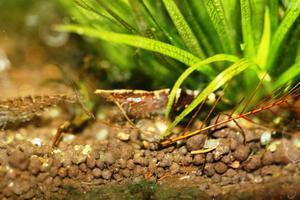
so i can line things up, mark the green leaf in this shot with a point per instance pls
(140, 42)
(281, 33)
(204, 21)
(183, 28)
(263, 49)
(247, 29)
(258, 12)
(202, 37)
(291, 73)
(217, 15)
(191, 69)
(215, 84)
(117, 17)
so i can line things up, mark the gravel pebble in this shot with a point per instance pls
(233, 144)
(96, 172)
(130, 164)
(91, 162)
(222, 149)
(196, 142)
(100, 163)
(122, 163)
(174, 168)
(83, 167)
(270, 170)
(152, 165)
(253, 163)
(209, 169)
(35, 164)
(227, 159)
(108, 158)
(230, 173)
(241, 153)
(187, 160)
(57, 181)
(166, 161)
(220, 167)
(182, 150)
(267, 158)
(221, 133)
(19, 160)
(62, 172)
(53, 171)
(140, 160)
(126, 173)
(209, 157)
(199, 159)
(106, 174)
(286, 152)
(73, 171)
(216, 178)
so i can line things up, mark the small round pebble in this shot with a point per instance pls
(108, 158)
(209, 157)
(73, 171)
(209, 169)
(220, 167)
(199, 159)
(267, 158)
(196, 142)
(62, 172)
(242, 152)
(166, 161)
(130, 164)
(35, 164)
(83, 167)
(19, 159)
(96, 172)
(91, 162)
(174, 168)
(106, 174)
(253, 163)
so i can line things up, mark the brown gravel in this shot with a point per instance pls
(242, 152)
(220, 167)
(92, 163)
(196, 142)
(199, 159)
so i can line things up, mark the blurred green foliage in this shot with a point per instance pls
(163, 38)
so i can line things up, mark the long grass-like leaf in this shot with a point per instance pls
(203, 19)
(187, 72)
(281, 33)
(84, 4)
(140, 42)
(258, 11)
(247, 28)
(183, 28)
(263, 49)
(291, 73)
(215, 84)
(274, 10)
(203, 39)
(217, 15)
(117, 17)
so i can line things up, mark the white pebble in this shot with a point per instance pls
(68, 137)
(265, 138)
(37, 142)
(102, 134)
(123, 136)
(211, 143)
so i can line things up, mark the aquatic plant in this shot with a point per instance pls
(218, 41)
